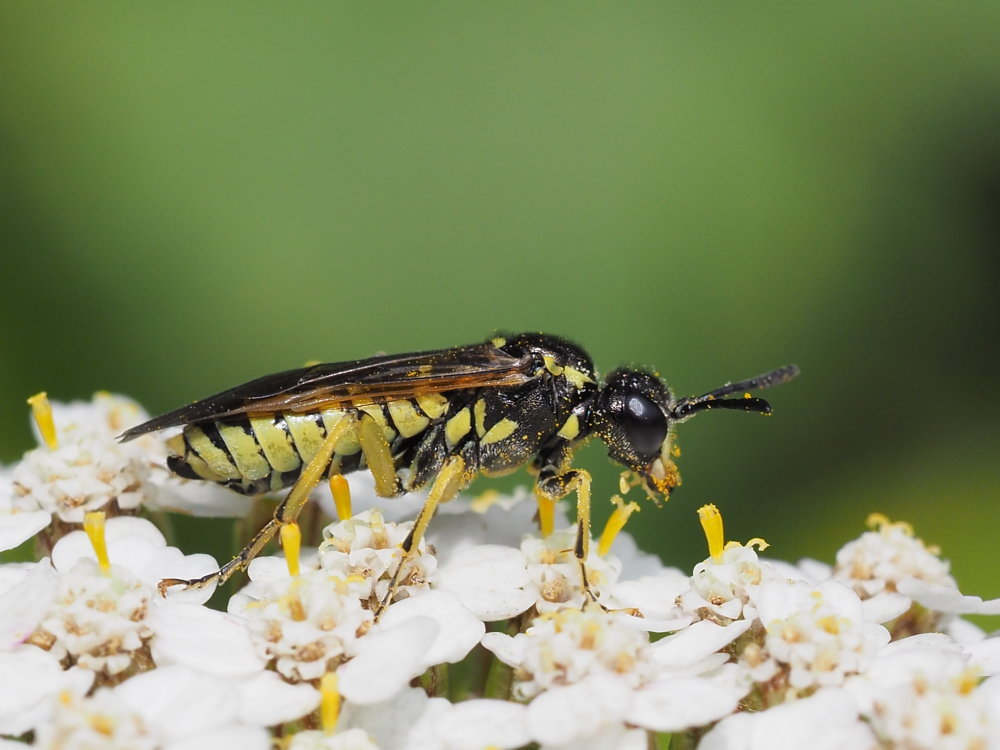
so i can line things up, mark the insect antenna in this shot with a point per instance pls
(715, 399)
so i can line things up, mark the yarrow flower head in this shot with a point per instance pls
(922, 692)
(99, 611)
(904, 579)
(79, 466)
(364, 551)
(307, 625)
(588, 671)
(724, 583)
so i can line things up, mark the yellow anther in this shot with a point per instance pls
(546, 514)
(93, 524)
(616, 522)
(758, 542)
(881, 523)
(341, 491)
(877, 521)
(329, 707)
(102, 724)
(41, 410)
(968, 680)
(711, 524)
(291, 542)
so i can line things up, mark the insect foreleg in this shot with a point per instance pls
(286, 512)
(553, 486)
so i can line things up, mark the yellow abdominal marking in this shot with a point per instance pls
(433, 405)
(275, 443)
(457, 427)
(570, 429)
(306, 434)
(215, 459)
(347, 445)
(502, 429)
(498, 342)
(245, 452)
(406, 418)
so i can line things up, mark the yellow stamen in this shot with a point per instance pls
(329, 707)
(93, 524)
(41, 410)
(616, 522)
(341, 496)
(881, 523)
(291, 542)
(758, 542)
(546, 514)
(711, 524)
(102, 724)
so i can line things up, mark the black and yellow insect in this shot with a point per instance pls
(438, 418)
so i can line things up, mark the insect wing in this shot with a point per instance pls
(355, 383)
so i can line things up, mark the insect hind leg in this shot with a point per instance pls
(286, 512)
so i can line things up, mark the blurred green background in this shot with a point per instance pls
(197, 194)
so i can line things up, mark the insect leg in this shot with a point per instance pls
(555, 486)
(378, 456)
(286, 512)
(452, 477)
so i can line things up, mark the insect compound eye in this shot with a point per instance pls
(644, 423)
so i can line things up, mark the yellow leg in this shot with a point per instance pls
(546, 514)
(286, 512)
(449, 481)
(378, 456)
(560, 485)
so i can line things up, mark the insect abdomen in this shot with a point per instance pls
(253, 454)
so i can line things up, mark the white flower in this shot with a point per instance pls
(169, 708)
(826, 720)
(79, 476)
(815, 636)
(27, 592)
(31, 679)
(364, 552)
(590, 670)
(17, 524)
(99, 612)
(412, 721)
(720, 588)
(307, 625)
(351, 739)
(904, 580)
(922, 692)
(86, 468)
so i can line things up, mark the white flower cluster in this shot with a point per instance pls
(743, 652)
